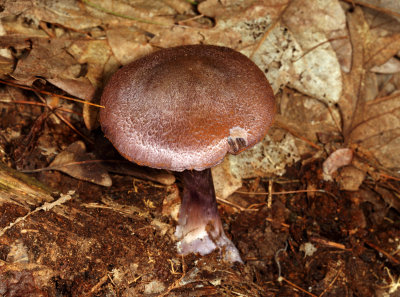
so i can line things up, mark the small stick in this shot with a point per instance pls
(49, 93)
(298, 288)
(331, 284)
(387, 255)
(40, 104)
(269, 201)
(287, 192)
(97, 287)
(282, 224)
(329, 243)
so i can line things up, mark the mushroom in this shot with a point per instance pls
(183, 109)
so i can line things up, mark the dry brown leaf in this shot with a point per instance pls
(47, 59)
(374, 126)
(390, 67)
(350, 178)
(307, 18)
(378, 51)
(391, 5)
(224, 10)
(318, 70)
(12, 8)
(128, 44)
(352, 101)
(379, 132)
(169, 37)
(70, 14)
(307, 116)
(79, 87)
(94, 54)
(6, 66)
(76, 162)
(128, 168)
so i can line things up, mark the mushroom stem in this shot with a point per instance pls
(199, 226)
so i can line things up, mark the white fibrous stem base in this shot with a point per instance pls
(204, 242)
(199, 227)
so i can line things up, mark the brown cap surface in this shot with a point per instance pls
(186, 107)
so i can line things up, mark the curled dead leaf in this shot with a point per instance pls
(76, 162)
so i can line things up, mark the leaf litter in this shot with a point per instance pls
(334, 69)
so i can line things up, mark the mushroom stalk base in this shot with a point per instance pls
(199, 226)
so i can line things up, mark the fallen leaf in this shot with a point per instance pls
(80, 87)
(352, 101)
(350, 178)
(380, 49)
(47, 59)
(392, 66)
(312, 22)
(128, 44)
(379, 132)
(76, 162)
(128, 168)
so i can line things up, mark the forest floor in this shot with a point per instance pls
(321, 219)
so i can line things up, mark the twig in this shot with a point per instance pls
(329, 243)
(282, 224)
(387, 255)
(287, 192)
(269, 201)
(176, 283)
(192, 18)
(298, 288)
(43, 26)
(97, 287)
(49, 93)
(331, 284)
(40, 104)
(231, 204)
(318, 45)
(46, 207)
(60, 117)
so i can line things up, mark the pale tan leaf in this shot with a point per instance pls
(128, 44)
(93, 53)
(47, 59)
(390, 67)
(79, 87)
(352, 101)
(379, 133)
(379, 51)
